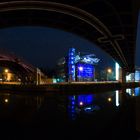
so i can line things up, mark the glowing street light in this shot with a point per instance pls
(109, 71)
(6, 70)
(109, 99)
(6, 100)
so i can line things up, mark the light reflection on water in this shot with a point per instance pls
(112, 111)
(133, 92)
(91, 103)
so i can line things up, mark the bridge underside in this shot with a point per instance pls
(111, 24)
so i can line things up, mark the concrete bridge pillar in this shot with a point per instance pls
(122, 75)
(38, 76)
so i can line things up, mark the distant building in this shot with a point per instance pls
(134, 76)
(77, 67)
(137, 74)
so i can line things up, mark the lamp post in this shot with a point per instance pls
(109, 71)
(6, 71)
(80, 70)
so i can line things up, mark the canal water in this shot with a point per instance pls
(112, 115)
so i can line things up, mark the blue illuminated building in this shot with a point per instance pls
(85, 72)
(137, 75)
(80, 103)
(77, 66)
(85, 99)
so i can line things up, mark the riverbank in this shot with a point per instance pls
(69, 87)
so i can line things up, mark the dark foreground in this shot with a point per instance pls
(110, 116)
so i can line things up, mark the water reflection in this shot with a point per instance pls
(117, 98)
(93, 103)
(133, 91)
(137, 91)
(102, 113)
(68, 105)
(81, 103)
(19, 108)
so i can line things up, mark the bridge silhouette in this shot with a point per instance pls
(109, 24)
(27, 73)
(24, 71)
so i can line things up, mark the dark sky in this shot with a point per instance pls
(43, 46)
(138, 43)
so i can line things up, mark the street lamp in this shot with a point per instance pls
(6, 70)
(109, 71)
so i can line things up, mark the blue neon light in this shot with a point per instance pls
(72, 107)
(85, 70)
(137, 76)
(71, 64)
(137, 91)
(85, 102)
(86, 99)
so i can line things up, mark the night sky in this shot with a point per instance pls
(42, 46)
(138, 43)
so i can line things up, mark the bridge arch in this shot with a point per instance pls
(33, 12)
(18, 66)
